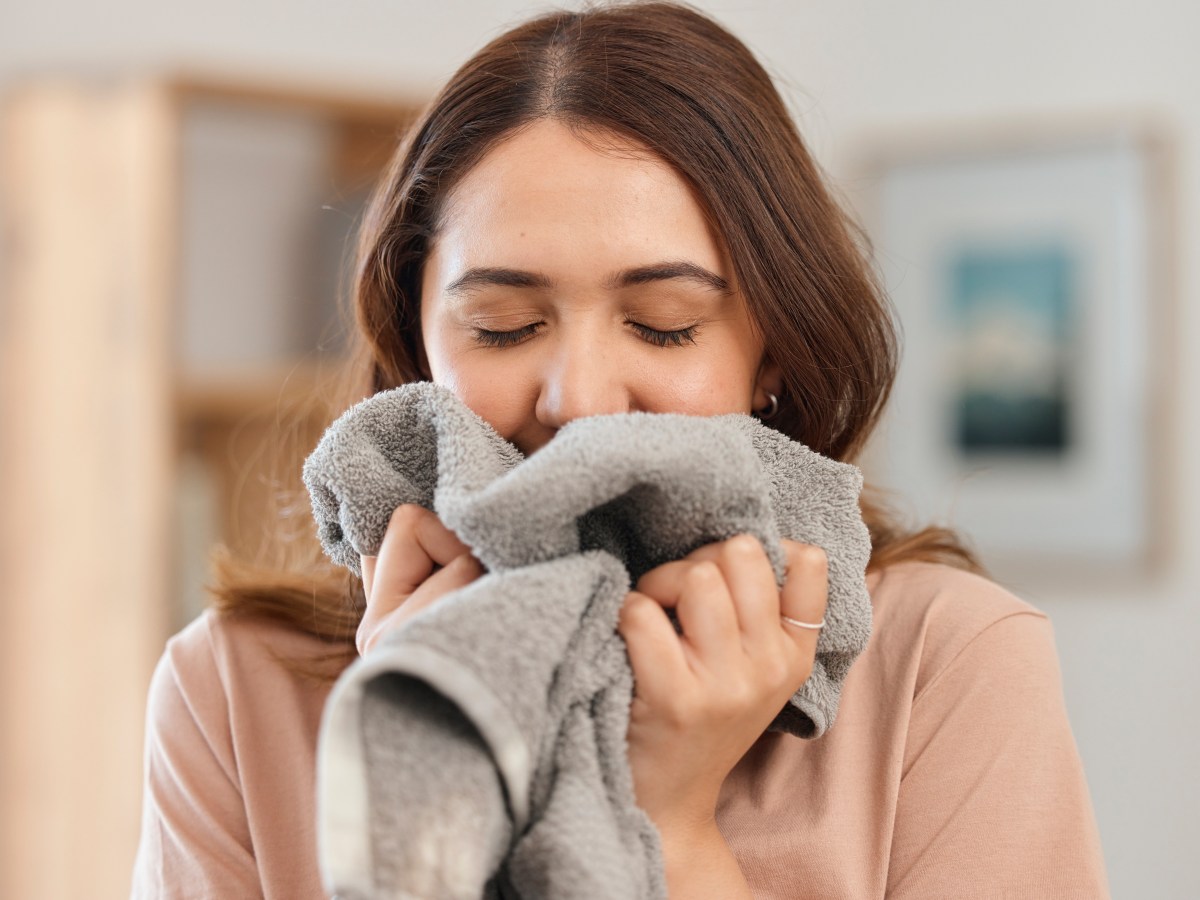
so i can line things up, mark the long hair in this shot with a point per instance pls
(668, 78)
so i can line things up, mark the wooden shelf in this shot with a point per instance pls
(303, 386)
(102, 423)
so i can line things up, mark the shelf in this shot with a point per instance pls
(301, 387)
(163, 228)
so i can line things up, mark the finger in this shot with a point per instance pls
(707, 617)
(376, 623)
(751, 581)
(459, 572)
(655, 653)
(415, 541)
(747, 571)
(662, 582)
(805, 592)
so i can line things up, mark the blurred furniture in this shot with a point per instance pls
(172, 255)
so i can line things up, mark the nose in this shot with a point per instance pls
(582, 379)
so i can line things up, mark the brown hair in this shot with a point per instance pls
(668, 78)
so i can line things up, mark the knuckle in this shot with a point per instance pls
(407, 515)
(703, 574)
(777, 672)
(811, 557)
(633, 610)
(467, 564)
(742, 547)
(739, 693)
(683, 712)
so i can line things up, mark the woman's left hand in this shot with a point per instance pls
(703, 697)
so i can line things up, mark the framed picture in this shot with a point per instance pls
(1028, 273)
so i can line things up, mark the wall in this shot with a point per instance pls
(1130, 672)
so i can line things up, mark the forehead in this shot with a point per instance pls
(547, 180)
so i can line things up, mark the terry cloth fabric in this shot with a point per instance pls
(479, 750)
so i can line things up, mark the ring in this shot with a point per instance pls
(800, 624)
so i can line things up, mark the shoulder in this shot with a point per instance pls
(218, 664)
(990, 794)
(218, 645)
(928, 615)
(926, 589)
(229, 770)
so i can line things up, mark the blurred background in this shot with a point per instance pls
(179, 189)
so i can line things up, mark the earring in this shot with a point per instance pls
(772, 408)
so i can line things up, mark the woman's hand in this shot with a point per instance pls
(401, 580)
(703, 697)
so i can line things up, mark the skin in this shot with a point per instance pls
(531, 315)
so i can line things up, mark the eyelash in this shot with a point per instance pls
(658, 338)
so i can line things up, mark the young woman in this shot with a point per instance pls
(611, 211)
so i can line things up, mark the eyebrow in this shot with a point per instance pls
(660, 271)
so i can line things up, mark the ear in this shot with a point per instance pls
(769, 379)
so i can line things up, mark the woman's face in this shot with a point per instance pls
(567, 281)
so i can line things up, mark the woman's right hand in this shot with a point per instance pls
(401, 580)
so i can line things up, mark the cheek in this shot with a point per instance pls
(498, 395)
(702, 390)
(719, 377)
(501, 402)
(711, 381)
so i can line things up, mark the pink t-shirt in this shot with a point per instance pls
(951, 770)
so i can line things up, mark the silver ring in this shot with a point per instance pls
(800, 624)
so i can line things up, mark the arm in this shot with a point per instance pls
(195, 840)
(993, 800)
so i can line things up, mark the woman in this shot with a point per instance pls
(611, 211)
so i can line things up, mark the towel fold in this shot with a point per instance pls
(479, 750)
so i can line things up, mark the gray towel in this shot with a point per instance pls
(479, 750)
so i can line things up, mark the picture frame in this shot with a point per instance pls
(1029, 267)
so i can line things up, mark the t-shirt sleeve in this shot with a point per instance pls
(993, 801)
(195, 840)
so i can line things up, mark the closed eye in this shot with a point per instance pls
(665, 338)
(675, 338)
(506, 338)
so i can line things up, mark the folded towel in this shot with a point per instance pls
(479, 750)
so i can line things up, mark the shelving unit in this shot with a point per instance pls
(171, 256)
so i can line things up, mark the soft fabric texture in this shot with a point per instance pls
(952, 771)
(479, 749)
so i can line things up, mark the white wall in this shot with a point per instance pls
(1131, 675)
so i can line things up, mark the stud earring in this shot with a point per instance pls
(771, 410)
